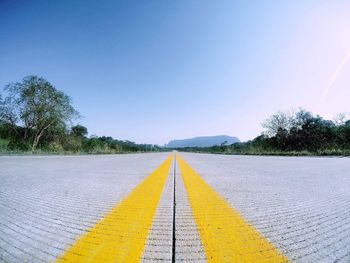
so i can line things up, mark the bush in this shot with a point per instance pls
(55, 147)
(72, 144)
(4, 144)
(18, 146)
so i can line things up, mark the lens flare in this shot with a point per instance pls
(334, 77)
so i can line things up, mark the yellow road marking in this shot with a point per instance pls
(121, 235)
(225, 235)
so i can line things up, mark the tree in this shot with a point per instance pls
(2, 111)
(302, 117)
(224, 143)
(279, 121)
(79, 131)
(340, 118)
(36, 105)
(8, 111)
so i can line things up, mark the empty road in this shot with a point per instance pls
(164, 207)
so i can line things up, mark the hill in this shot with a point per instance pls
(203, 141)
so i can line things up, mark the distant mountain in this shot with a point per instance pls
(203, 141)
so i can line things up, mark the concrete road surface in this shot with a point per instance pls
(298, 206)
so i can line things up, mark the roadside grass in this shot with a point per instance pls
(260, 152)
(8, 147)
(57, 149)
(332, 152)
(63, 152)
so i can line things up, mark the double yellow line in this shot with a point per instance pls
(121, 235)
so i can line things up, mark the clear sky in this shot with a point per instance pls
(151, 71)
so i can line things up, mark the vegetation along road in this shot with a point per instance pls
(174, 207)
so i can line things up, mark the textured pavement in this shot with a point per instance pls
(159, 243)
(46, 203)
(301, 205)
(188, 246)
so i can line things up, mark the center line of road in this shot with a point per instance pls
(121, 235)
(225, 235)
(174, 215)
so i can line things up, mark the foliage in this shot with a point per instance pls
(79, 131)
(37, 106)
(63, 140)
(35, 116)
(3, 144)
(300, 133)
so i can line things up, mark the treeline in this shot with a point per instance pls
(71, 140)
(36, 117)
(299, 133)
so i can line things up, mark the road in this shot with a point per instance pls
(158, 208)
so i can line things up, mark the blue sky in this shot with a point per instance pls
(152, 71)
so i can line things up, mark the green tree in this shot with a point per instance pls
(8, 111)
(36, 105)
(79, 131)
